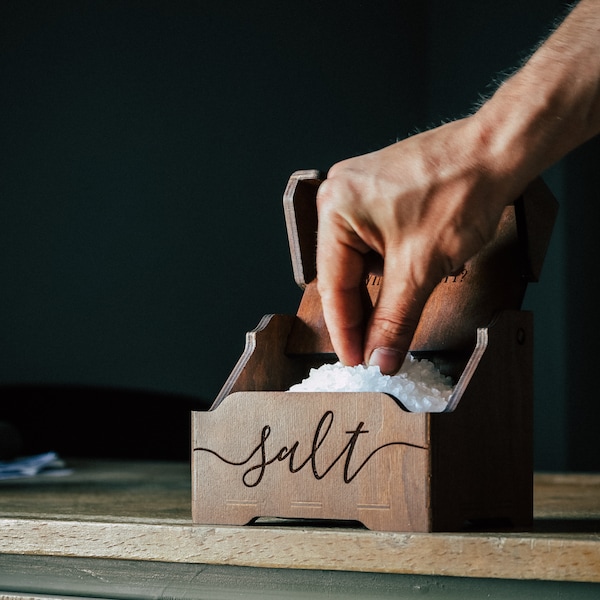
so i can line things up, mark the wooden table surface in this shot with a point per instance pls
(141, 511)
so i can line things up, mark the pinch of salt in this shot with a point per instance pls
(419, 386)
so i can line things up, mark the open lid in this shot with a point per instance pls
(494, 279)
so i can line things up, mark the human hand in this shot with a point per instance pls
(423, 206)
(426, 204)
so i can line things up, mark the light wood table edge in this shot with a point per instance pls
(551, 557)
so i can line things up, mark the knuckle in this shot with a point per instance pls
(337, 189)
(330, 192)
(394, 325)
(325, 195)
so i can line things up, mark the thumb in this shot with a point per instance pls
(395, 317)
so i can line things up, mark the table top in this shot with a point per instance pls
(142, 511)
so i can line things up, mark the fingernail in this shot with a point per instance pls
(387, 359)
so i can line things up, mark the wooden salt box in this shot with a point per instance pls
(263, 452)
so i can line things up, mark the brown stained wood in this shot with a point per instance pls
(492, 280)
(495, 279)
(260, 452)
(309, 334)
(264, 364)
(300, 212)
(536, 214)
(482, 453)
(355, 457)
(296, 455)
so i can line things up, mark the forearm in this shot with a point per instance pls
(430, 202)
(552, 104)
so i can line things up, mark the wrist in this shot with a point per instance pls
(514, 133)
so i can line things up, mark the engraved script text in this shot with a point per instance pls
(259, 458)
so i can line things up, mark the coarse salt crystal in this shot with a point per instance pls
(418, 385)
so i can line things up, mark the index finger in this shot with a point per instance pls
(340, 266)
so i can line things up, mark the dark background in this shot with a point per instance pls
(144, 150)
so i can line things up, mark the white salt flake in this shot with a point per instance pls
(418, 385)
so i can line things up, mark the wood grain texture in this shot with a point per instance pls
(300, 212)
(490, 475)
(113, 510)
(301, 455)
(264, 363)
(494, 279)
(475, 461)
(309, 455)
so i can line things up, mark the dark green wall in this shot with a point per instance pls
(145, 149)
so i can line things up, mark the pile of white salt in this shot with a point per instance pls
(419, 386)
